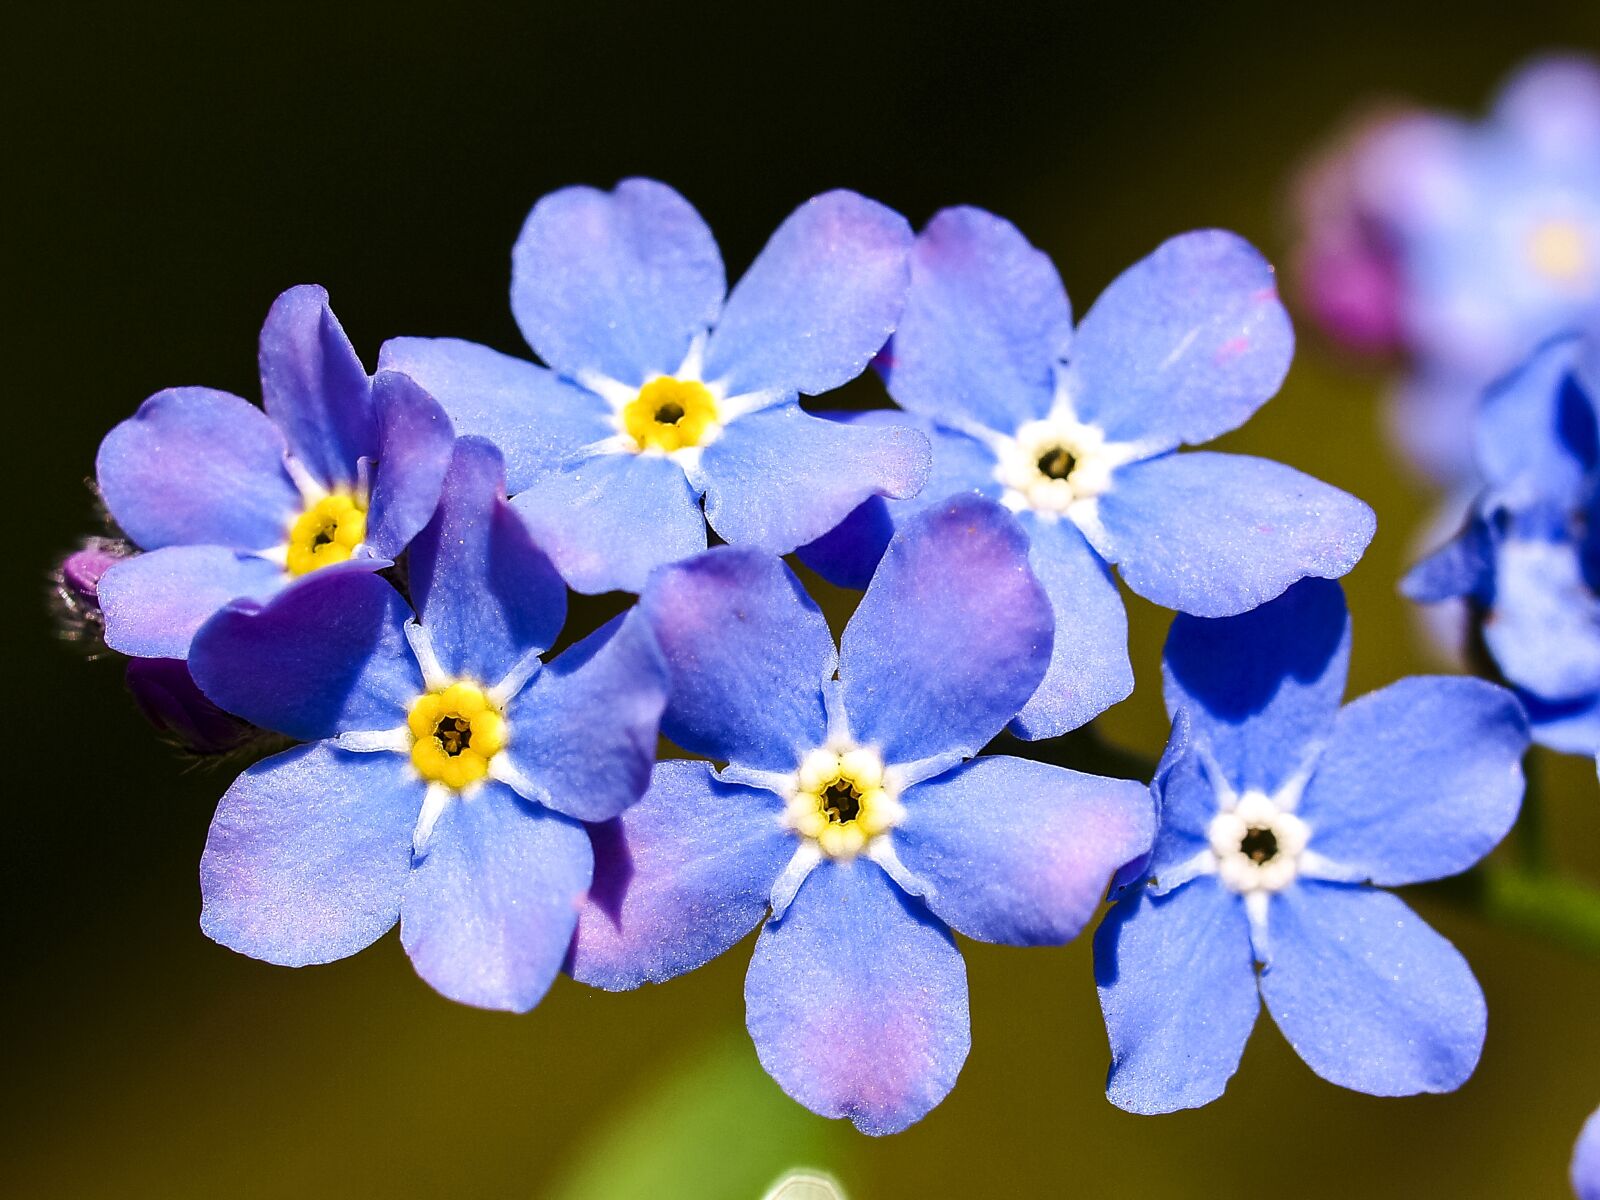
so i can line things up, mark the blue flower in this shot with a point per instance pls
(848, 807)
(235, 503)
(1527, 563)
(1282, 818)
(449, 770)
(1075, 431)
(1586, 1161)
(658, 391)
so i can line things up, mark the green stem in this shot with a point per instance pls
(1552, 906)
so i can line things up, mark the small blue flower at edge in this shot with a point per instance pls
(848, 809)
(232, 502)
(1586, 1161)
(450, 769)
(1076, 431)
(659, 390)
(1283, 816)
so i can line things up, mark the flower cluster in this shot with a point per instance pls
(377, 568)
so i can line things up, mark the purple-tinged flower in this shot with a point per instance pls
(658, 391)
(1283, 816)
(449, 769)
(1527, 562)
(848, 807)
(1586, 1161)
(1076, 430)
(168, 697)
(232, 502)
(75, 587)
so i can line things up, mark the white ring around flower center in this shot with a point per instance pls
(1258, 844)
(1053, 463)
(842, 799)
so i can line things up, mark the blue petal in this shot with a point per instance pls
(315, 388)
(1552, 106)
(1262, 689)
(609, 520)
(1569, 726)
(583, 733)
(1368, 995)
(153, 603)
(986, 323)
(414, 443)
(747, 652)
(1184, 345)
(848, 555)
(857, 1000)
(1463, 566)
(536, 418)
(781, 477)
(1089, 669)
(617, 282)
(1419, 780)
(679, 878)
(1544, 627)
(194, 465)
(1586, 1161)
(490, 907)
(325, 656)
(1178, 989)
(1536, 430)
(818, 302)
(1018, 851)
(308, 854)
(1186, 803)
(1217, 534)
(926, 667)
(484, 592)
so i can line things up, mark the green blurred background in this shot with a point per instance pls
(169, 171)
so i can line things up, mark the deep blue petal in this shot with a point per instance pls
(535, 417)
(327, 655)
(1018, 851)
(1463, 566)
(1217, 534)
(617, 282)
(490, 907)
(198, 466)
(857, 1000)
(315, 388)
(679, 878)
(1186, 802)
(484, 592)
(1536, 432)
(747, 652)
(308, 854)
(818, 302)
(154, 603)
(1177, 986)
(1419, 780)
(414, 443)
(1184, 345)
(1568, 726)
(781, 477)
(926, 667)
(986, 323)
(1370, 996)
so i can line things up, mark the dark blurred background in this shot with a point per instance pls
(170, 170)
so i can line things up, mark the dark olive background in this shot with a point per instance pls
(170, 170)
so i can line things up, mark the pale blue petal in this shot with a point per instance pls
(154, 603)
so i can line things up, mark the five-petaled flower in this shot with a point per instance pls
(848, 807)
(1283, 816)
(451, 769)
(231, 502)
(1076, 430)
(658, 391)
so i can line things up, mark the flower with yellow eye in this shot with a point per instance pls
(451, 768)
(232, 502)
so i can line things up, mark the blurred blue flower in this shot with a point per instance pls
(232, 502)
(449, 770)
(1076, 430)
(849, 808)
(658, 391)
(1528, 560)
(1282, 817)
(1586, 1161)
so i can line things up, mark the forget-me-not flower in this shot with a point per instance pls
(1283, 816)
(848, 807)
(231, 502)
(1527, 563)
(449, 769)
(1076, 430)
(659, 391)
(1586, 1161)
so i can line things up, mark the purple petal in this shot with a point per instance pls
(414, 442)
(154, 603)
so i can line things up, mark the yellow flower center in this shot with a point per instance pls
(840, 800)
(670, 414)
(1561, 251)
(455, 731)
(326, 533)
